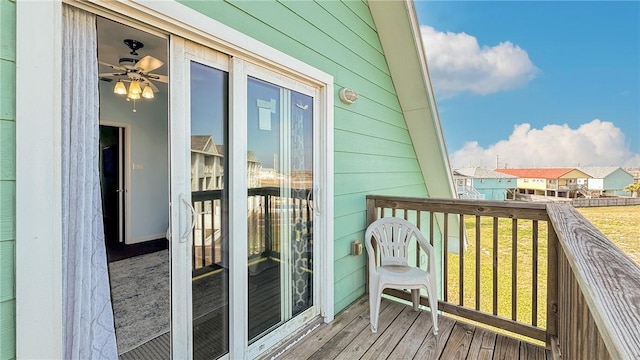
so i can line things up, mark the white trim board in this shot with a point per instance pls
(39, 225)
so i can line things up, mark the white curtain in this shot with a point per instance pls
(87, 314)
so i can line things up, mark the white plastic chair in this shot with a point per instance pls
(393, 236)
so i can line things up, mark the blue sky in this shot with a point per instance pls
(536, 83)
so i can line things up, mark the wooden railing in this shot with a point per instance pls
(548, 294)
(265, 208)
(598, 291)
(208, 228)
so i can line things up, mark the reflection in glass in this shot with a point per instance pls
(209, 194)
(280, 204)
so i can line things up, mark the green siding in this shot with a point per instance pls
(349, 225)
(7, 253)
(370, 163)
(7, 329)
(350, 288)
(7, 89)
(350, 142)
(373, 150)
(352, 122)
(7, 178)
(7, 148)
(8, 33)
(7, 211)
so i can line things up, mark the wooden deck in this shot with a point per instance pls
(403, 334)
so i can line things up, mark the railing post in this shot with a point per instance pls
(552, 284)
(267, 225)
(371, 217)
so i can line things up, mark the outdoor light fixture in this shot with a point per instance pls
(348, 96)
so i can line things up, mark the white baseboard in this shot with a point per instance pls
(146, 238)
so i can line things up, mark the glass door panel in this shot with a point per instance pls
(279, 204)
(209, 196)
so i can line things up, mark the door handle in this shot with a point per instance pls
(316, 200)
(184, 236)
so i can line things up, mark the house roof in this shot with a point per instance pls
(482, 173)
(205, 144)
(199, 142)
(401, 40)
(600, 172)
(537, 173)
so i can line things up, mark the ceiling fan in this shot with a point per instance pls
(135, 71)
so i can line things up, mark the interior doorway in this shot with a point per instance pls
(112, 178)
(134, 174)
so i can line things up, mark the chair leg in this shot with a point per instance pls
(415, 297)
(374, 304)
(433, 304)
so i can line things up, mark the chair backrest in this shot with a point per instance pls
(393, 236)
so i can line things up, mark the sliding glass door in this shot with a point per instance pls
(280, 204)
(242, 179)
(210, 199)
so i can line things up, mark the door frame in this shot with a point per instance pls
(249, 69)
(39, 328)
(182, 52)
(126, 166)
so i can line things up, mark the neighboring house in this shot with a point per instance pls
(279, 73)
(606, 181)
(555, 182)
(206, 164)
(636, 174)
(489, 184)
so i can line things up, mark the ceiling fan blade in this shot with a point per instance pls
(111, 74)
(148, 63)
(114, 67)
(158, 77)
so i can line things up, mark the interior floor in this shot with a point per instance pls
(121, 251)
(147, 298)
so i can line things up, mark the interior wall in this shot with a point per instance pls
(149, 189)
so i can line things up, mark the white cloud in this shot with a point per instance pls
(596, 143)
(457, 63)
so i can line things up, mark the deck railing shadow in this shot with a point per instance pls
(567, 286)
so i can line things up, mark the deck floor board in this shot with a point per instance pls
(482, 345)
(410, 343)
(405, 334)
(392, 335)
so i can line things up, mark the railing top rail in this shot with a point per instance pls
(266, 190)
(513, 210)
(608, 279)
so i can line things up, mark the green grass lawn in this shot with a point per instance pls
(620, 224)
(524, 254)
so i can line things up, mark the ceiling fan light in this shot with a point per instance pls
(120, 89)
(135, 88)
(133, 95)
(147, 93)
